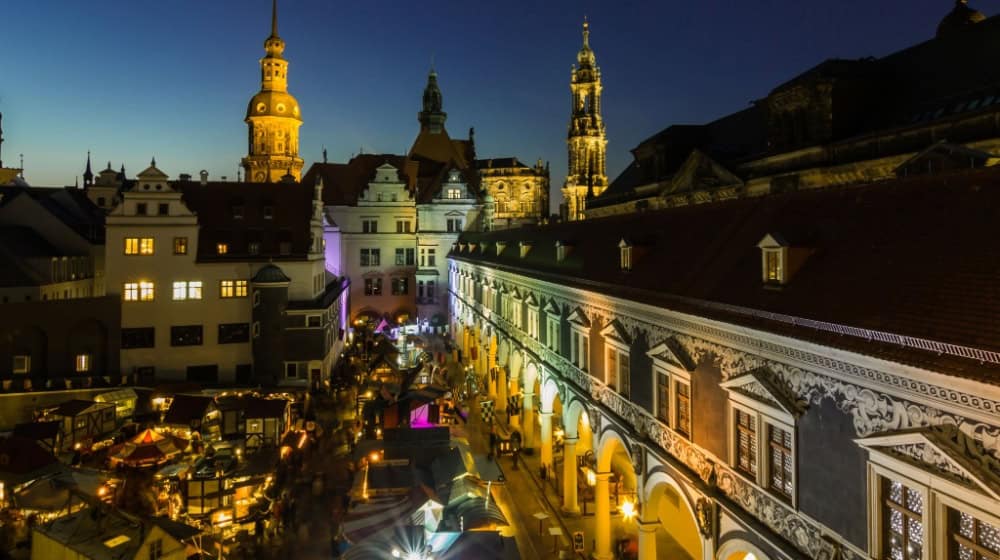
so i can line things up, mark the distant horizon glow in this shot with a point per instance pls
(129, 81)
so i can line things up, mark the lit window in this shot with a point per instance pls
(625, 257)
(663, 396)
(232, 288)
(780, 460)
(617, 373)
(180, 291)
(194, 289)
(22, 363)
(453, 193)
(682, 406)
(772, 265)
(82, 363)
(221, 248)
(138, 245)
(972, 539)
(746, 442)
(147, 291)
(902, 521)
(180, 245)
(131, 291)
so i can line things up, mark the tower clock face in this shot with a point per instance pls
(259, 176)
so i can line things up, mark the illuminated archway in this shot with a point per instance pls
(615, 484)
(668, 523)
(530, 383)
(739, 549)
(579, 440)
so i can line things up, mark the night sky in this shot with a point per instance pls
(130, 79)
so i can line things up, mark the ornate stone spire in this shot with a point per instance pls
(432, 117)
(88, 175)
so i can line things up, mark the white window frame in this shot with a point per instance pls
(621, 347)
(939, 494)
(764, 415)
(552, 333)
(773, 245)
(83, 363)
(25, 365)
(531, 324)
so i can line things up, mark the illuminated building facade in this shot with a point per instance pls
(391, 219)
(771, 377)
(520, 193)
(587, 176)
(273, 118)
(223, 282)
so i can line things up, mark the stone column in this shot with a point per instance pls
(501, 392)
(528, 431)
(545, 419)
(602, 517)
(647, 539)
(570, 505)
(515, 419)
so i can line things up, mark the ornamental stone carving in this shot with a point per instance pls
(705, 514)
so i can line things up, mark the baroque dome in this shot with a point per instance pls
(270, 103)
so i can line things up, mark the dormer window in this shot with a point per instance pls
(779, 259)
(625, 255)
(772, 265)
(525, 247)
(562, 250)
(453, 193)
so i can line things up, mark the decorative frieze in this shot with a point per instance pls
(872, 411)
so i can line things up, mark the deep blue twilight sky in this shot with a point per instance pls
(128, 79)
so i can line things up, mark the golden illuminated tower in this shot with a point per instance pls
(587, 143)
(273, 118)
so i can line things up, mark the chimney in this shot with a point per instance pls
(184, 176)
(204, 177)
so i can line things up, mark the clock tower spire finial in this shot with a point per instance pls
(274, 18)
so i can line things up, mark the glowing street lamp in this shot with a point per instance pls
(629, 510)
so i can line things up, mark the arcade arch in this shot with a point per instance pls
(668, 524)
(739, 549)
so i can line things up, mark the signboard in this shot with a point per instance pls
(578, 541)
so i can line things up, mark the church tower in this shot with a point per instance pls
(273, 118)
(587, 143)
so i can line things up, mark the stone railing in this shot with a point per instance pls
(777, 515)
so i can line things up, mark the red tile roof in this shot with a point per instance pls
(289, 204)
(916, 256)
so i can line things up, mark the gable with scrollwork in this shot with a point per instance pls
(942, 451)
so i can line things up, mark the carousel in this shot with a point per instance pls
(148, 449)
